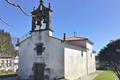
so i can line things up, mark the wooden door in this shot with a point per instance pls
(39, 71)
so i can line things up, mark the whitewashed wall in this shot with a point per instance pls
(90, 58)
(52, 56)
(27, 54)
(75, 63)
(56, 57)
(25, 59)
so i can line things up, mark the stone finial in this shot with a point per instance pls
(49, 5)
(41, 1)
(64, 36)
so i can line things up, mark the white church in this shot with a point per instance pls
(45, 57)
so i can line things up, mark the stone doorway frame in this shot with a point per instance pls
(38, 70)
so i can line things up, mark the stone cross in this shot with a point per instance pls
(39, 48)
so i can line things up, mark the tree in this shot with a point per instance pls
(6, 46)
(109, 57)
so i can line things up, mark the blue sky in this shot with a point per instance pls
(98, 20)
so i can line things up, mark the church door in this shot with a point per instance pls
(39, 71)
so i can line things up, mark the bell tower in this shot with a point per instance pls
(41, 19)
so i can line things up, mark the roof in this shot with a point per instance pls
(68, 42)
(78, 39)
(56, 38)
(22, 40)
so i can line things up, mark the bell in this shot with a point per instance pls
(44, 21)
(38, 23)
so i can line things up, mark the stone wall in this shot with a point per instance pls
(75, 63)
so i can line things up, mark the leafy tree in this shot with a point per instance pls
(109, 57)
(6, 46)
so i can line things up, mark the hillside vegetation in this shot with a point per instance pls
(6, 46)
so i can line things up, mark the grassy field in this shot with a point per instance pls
(107, 75)
(6, 75)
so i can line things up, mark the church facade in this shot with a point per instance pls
(45, 57)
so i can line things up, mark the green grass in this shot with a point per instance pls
(106, 75)
(6, 75)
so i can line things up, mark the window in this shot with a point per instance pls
(82, 53)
